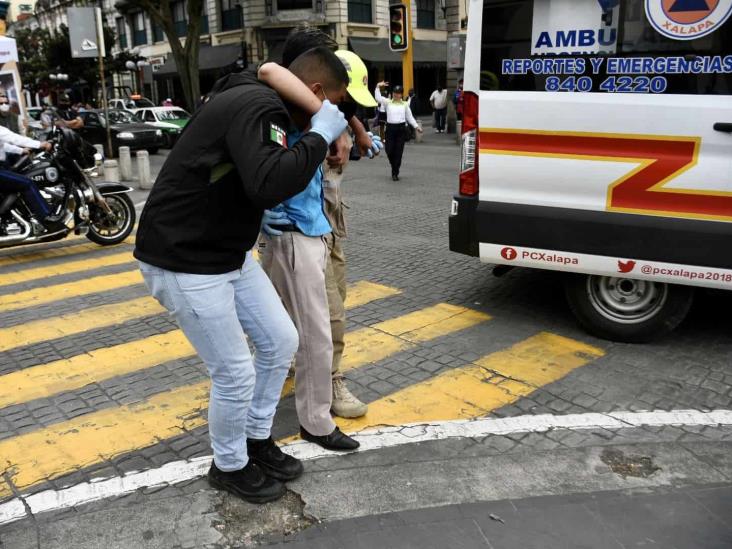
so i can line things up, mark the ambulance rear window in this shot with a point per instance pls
(607, 46)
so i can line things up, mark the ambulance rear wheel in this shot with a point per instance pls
(625, 309)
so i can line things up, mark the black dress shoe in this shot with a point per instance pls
(337, 440)
(273, 461)
(249, 483)
(394, 177)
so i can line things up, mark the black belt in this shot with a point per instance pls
(401, 124)
(287, 228)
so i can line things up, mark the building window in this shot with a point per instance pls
(179, 18)
(359, 11)
(139, 34)
(157, 32)
(231, 16)
(121, 33)
(204, 24)
(294, 5)
(426, 14)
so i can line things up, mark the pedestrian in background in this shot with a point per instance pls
(398, 116)
(8, 119)
(438, 101)
(457, 99)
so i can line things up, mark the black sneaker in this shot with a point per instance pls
(249, 483)
(273, 461)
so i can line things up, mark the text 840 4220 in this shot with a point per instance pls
(612, 84)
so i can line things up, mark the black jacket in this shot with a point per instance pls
(229, 164)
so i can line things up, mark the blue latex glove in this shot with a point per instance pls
(328, 122)
(376, 145)
(270, 219)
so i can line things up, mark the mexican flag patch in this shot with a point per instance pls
(278, 135)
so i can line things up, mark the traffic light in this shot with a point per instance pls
(398, 25)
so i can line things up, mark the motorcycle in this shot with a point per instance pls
(102, 211)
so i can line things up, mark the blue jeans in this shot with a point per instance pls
(215, 312)
(11, 182)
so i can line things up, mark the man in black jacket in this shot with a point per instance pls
(202, 215)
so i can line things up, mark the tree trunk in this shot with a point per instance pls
(185, 57)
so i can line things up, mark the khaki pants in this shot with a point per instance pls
(296, 266)
(335, 285)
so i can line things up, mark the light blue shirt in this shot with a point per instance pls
(305, 210)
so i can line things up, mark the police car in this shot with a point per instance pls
(597, 141)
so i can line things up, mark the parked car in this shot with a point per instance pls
(130, 103)
(125, 128)
(171, 120)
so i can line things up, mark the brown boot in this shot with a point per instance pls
(345, 404)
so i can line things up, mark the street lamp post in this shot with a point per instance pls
(135, 69)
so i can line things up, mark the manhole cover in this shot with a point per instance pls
(628, 466)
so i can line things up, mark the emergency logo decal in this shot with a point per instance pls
(687, 19)
(659, 159)
(278, 135)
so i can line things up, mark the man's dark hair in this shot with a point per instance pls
(303, 38)
(320, 65)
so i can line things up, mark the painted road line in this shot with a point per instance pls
(66, 290)
(73, 373)
(475, 390)
(77, 322)
(363, 292)
(384, 339)
(68, 446)
(69, 267)
(61, 251)
(387, 437)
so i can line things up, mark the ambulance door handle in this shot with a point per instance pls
(723, 127)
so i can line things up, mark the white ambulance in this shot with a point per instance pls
(597, 140)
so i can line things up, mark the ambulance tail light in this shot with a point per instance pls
(469, 153)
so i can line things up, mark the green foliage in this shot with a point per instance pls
(41, 54)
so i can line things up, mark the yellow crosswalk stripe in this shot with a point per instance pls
(73, 373)
(363, 292)
(47, 253)
(56, 292)
(475, 390)
(62, 448)
(83, 441)
(107, 315)
(77, 322)
(92, 367)
(69, 267)
(384, 339)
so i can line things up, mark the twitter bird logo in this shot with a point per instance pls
(625, 266)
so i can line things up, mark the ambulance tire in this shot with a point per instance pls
(626, 310)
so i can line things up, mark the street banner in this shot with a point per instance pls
(83, 32)
(8, 50)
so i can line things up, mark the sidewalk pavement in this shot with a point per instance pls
(669, 519)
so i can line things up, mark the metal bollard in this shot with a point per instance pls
(143, 169)
(125, 164)
(111, 170)
(100, 165)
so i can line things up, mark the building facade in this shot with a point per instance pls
(236, 33)
(247, 32)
